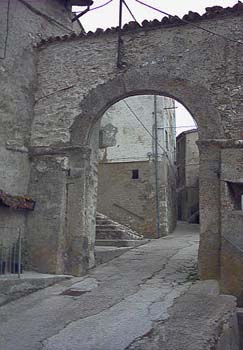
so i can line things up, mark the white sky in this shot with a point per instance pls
(108, 17)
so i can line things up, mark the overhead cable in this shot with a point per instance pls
(139, 120)
(75, 18)
(124, 2)
(98, 7)
(42, 14)
(188, 22)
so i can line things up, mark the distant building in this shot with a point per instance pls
(134, 189)
(187, 159)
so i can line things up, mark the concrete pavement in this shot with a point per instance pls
(114, 305)
(12, 287)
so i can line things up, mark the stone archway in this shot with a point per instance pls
(82, 81)
(197, 100)
(74, 243)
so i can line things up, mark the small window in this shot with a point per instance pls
(135, 174)
(236, 195)
(166, 140)
(101, 139)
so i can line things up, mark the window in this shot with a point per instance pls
(166, 140)
(101, 139)
(235, 195)
(135, 174)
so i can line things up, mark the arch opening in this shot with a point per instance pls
(184, 110)
(146, 183)
(196, 99)
(76, 250)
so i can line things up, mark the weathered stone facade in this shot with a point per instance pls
(52, 97)
(137, 181)
(22, 23)
(187, 160)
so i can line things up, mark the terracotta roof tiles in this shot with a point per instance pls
(213, 12)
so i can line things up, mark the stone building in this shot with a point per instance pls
(21, 24)
(56, 86)
(136, 179)
(187, 159)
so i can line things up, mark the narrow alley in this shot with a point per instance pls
(112, 307)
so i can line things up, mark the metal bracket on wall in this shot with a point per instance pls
(75, 18)
(120, 64)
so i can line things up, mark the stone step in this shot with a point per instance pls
(121, 242)
(103, 222)
(115, 234)
(104, 253)
(108, 229)
(112, 226)
(109, 235)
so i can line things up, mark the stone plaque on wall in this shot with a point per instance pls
(3, 26)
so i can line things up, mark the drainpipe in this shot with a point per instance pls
(156, 168)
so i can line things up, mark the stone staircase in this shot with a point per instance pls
(109, 229)
(113, 239)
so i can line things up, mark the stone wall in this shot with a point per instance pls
(188, 176)
(127, 126)
(166, 63)
(192, 159)
(79, 87)
(22, 22)
(232, 221)
(201, 319)
(125, 199)
(132, 202)
(127, 144)
(56, 93)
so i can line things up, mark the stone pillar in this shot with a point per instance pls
(80, 213)
(45, 225)
(60, 235)
(232, 220)
(209, 198)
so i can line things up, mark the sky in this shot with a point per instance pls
(107, 16)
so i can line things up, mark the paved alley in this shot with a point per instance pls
(112, 307)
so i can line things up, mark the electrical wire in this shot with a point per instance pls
(161, 147)
(124, 2)
(139, 120)
(98, 7)
(75, 18)
(44, 15)
(7, 33)
(188, 22)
